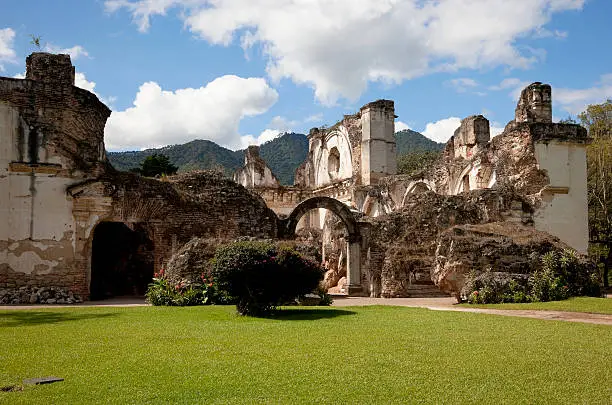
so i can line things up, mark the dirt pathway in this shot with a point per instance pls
(449, 304)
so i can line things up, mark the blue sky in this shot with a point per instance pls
(242, 71)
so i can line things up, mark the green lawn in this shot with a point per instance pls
(577, 304)
(326, 355)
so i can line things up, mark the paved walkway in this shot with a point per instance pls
(436, 304)
(449, 304)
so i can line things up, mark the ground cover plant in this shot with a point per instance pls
(558, 276)
(208, 354)
(186, 293)
(575, 304)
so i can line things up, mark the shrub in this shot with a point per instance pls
(163, 292)
(560, 275)
(259, 276)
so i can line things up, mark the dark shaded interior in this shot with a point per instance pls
(121, 262)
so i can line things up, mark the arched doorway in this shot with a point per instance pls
(121, 261)
(353, 254)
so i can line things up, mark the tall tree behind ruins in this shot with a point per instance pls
(597, 118)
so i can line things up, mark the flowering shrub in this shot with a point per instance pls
(162, 292)
(259, 276)
(560, 275)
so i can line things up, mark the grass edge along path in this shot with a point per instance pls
(375, 354)
(575, 304)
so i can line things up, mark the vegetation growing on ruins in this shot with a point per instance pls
(302, 355)
(163, 292)
(561, 275)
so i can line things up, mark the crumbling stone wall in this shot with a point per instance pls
(402, 244)
(508, 250)
(255, 173)
(56, 187)
(202, 204)
(52, 137)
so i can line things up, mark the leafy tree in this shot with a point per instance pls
(414, 161)
(157, 165)
(597, 119)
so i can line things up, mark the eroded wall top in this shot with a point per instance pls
(56, 123)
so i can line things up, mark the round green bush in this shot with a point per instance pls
(260, 276)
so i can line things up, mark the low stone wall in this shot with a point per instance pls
(39, 295)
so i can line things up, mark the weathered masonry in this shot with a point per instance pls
(535, 174)
(69, 221)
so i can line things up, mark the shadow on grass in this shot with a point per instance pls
(32, 318)
(296, 314)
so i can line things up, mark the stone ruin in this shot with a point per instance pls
(524, 185)
(72, 227)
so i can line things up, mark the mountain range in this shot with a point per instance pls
(283, 154)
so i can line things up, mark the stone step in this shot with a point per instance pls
(424, 291)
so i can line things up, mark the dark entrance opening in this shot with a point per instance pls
(121, 261)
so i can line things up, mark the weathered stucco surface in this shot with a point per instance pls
(56, 188)
(51, 137)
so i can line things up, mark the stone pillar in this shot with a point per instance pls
(353, 267)
(50, 68)
(535, 104)
(378, 141)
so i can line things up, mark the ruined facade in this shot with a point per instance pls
(533, 175)
(69, 221)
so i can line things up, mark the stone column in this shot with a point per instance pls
(353, 267)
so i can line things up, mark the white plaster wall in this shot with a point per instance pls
(33, 207)
(335, 139)
(249, 177)
(564, 215)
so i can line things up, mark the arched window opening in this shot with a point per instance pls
(333, 163)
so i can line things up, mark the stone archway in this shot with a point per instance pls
(343, 212)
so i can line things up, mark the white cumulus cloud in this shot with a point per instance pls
(338, 47)
(442, 130)
(463, 84)
(277, 126)
(75, 52)
(159, 117)
(81, 81)
(7, 53)
(400, 126)
(575, 101)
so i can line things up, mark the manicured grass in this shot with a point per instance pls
(322, 355)
(576, 304)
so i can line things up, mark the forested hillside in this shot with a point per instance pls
(283, 154)
(411, 141)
